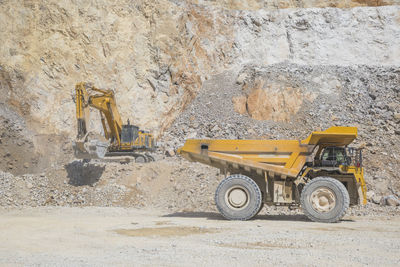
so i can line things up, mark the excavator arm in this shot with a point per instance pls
(103, 100)
(82, 109)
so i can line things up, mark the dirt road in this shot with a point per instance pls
(117, 236)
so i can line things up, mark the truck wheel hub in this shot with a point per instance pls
(323, 200)
(237, 197)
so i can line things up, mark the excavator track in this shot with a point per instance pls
(138, 157)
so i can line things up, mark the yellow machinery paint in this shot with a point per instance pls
(282, 161)
(88, 96)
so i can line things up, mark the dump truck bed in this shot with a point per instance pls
(283, 157)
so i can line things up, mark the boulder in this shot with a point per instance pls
(370, 195)
(392, 201)
(376, 199)
(170, 152)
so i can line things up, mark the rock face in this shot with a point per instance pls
(275, 103)
(227, 69)
(278, 4)
(154, 54)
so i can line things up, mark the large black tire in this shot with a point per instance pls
(150, 158)
(238, 197)
(141, 159)
(324, 199)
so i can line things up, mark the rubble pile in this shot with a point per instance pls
(169, 184)
(362, 96)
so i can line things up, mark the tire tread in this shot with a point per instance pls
(344, 207)
(258, 197)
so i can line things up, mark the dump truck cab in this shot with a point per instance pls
(334, 156)
(331, 157)
(321, 173)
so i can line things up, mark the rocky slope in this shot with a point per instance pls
(291, 100)
(168, 184)
(232, 69)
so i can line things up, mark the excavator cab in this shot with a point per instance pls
(129, 133)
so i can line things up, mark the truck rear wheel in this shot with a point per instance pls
(238, 197)
(324, 199)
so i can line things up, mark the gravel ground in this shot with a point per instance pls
(119, 236)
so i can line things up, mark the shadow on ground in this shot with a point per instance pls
(80, 173)
(266, 217)
(207, 215)
(217, 216)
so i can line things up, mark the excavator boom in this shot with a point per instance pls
(84, 147)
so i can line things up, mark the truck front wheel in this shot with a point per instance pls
(324, 199)
(238, 197)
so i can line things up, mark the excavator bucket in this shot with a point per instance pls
(92, 149)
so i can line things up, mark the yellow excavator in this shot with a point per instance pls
(119, 139)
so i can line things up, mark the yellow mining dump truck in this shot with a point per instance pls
(321, 172)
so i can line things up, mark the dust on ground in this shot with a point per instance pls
(90, 236)
(167, 231)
